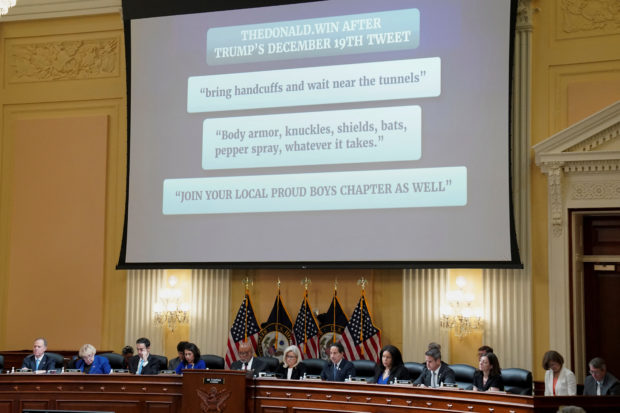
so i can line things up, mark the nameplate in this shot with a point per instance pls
(213, 381)
(358, 379)
(403, 381)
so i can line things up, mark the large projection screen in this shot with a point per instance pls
(341, 132)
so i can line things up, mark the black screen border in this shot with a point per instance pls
(136, 9)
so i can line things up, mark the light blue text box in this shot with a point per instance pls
(313, 138)
(327, 36)
(392, 188)
(358, 82)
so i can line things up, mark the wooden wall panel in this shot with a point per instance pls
(63, 69)
(57, 231)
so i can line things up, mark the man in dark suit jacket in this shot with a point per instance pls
(339, 368)
(434, 366)
(172, 364)
(144, 362)
(45, 362)
(600, 377)
(247, 361)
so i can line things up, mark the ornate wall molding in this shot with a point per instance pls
(578, 178)
(554, 171)
(64, 60)
(597, 139)
(590, 16)
(595, 190)
(593, 166)
(524, 15)
(48, 9)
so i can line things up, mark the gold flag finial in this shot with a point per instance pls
(362, 282)
(247, 282)
(336, 284)
(306, 282)
(278, 283)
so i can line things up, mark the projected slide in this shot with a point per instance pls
(335, 131)
(391, 134)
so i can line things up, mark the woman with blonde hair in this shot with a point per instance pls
(292, 368)
(89, 363)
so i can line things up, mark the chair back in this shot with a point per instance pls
(364, 369)
(517, 381)
(464, 375)
(59, 360)
(1, 361)
(116, 360)
(163, 361)
(73, 361)
(212, 361)
(415, 369)
(272, 363)
(314, 367)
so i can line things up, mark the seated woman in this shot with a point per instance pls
(89, 363)
(392, 367)
(292, 368)
(191, 359)
(489, 377)
(127, 353)
(559, 381)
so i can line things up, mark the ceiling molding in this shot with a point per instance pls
(48, 9)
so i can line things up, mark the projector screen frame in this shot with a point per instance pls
(133, 9)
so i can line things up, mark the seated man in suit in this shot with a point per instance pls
(247, 361)
(144, 362)
(339, 368)
(38, 360)
(435, 373)
(600, 382)
(172, 364)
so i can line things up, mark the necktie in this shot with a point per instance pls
(434, 379)
(244, 366)
(598, 388)
(140, 367)
(37, 365)
(335, 371)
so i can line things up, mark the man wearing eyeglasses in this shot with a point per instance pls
(247, 361)
(600, 382)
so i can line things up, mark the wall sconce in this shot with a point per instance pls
(5, 5)
(458, 315)
(170, 310)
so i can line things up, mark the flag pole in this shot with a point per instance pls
(277, 313)
(362, 282)
(305, 282)
(334, 305)
(246, 282)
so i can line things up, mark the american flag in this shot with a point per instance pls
(244, 328)
(307, 331)
(361, 339)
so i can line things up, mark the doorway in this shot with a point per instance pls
(601, 288)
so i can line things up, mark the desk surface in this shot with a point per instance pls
(124, 393)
